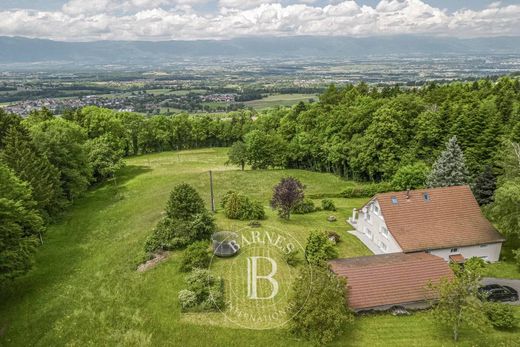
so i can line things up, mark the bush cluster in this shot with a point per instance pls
(186, 221)
(367, 190)
(196, 256)
(239, 206)
(305, 206)
(319, 248)
(205, 292)
(501, 316)
(328, 205)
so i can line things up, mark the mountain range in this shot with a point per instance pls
(26, 50)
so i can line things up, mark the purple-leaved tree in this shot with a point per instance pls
(286, 195)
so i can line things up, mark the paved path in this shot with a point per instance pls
(505, 282)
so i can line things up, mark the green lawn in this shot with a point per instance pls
(280, 100)
(84, 289)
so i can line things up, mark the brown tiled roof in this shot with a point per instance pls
(390, 279)
(451, 217)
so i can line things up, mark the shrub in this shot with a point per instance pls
(205, 292)
(238, 206)
(184, 202)
(187, 299)
(304, 207)
(163, 237)
(196, 255)
(317, 309)
(292, 258)
(328, 205)
(319, 248)
(367, 190)
(186, 221)
(173, 233)
(501, 316)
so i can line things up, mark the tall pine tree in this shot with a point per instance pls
(484, 187)
(449, 169)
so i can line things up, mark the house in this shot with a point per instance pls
(446, 222)
(379, 282)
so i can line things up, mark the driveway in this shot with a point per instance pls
(504, 282)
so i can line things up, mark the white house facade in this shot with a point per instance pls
(446, 222)
(370, 228)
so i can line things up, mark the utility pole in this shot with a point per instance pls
(211, 191)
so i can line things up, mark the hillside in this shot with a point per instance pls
(84, 288)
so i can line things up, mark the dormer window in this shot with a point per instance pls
(394, 200)
(426, 196)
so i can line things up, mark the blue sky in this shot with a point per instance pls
(88, 20)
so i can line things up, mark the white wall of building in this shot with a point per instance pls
(489, 252)
(371, 224)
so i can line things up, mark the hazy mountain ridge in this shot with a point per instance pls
(20, 50)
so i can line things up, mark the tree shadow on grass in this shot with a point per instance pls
(58, 258)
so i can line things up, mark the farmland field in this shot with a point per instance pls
(84, 289)
(280, 100)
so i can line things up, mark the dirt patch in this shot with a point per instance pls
(150, 264)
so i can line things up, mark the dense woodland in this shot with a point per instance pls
(358, 132)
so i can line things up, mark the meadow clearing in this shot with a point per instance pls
(84, 288)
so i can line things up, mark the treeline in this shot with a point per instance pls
(45, 164)
(369, 133)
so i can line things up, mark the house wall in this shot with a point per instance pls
(489, 252)
(416, 305)
(375, 225)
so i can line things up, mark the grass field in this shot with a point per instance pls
(280, 100)
(84, 289)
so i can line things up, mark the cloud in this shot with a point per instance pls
(81, 20)
(84, 7)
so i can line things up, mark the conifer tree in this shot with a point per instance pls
(484, 187)
(30, 165)
(449, 169)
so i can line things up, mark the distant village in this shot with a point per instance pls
(144, 103)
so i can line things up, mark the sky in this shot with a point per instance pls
(155, 20)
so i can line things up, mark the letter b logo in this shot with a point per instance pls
(253, 277)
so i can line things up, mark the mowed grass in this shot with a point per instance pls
(84, 289)
(280, 100)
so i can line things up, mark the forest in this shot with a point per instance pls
(356, 131)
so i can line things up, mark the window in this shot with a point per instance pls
(453, 250)
(368, 232)
(382, 245)
(368, 216)
(384, 231)
(483, 246)
(426, 196)
(394, 200)
(376, 209)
